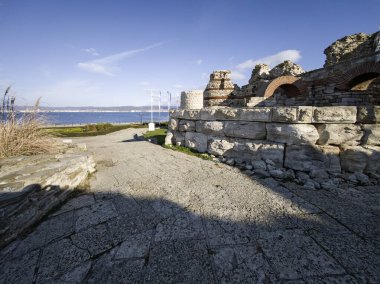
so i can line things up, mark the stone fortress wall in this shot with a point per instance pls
(287, 120)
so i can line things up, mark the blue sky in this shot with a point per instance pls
(107, 53)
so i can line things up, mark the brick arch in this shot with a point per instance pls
(290, 82)
(359, 74)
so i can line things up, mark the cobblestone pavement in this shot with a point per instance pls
(157, 216)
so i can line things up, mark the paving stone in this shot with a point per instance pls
(182, 225)
(179, 262)
(60, 226)
(295, 255)
(20, 270)
(227, 233)
(94, 239)
(77, 275)
(243, 264)
(135, 246)
(94, 214)
(359, 257)
(76, 202)
(107, 270)
(59, 258)
(125, 205)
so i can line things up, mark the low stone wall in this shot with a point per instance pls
(31, 186)
(302, 138)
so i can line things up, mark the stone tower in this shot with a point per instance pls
(219, 89)
(192, 99)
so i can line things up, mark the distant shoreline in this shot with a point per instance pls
(132, 111)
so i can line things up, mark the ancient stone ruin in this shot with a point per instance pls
(286, 122)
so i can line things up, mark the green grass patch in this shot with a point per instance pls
(159, 135)
(188, 151)
(90, 129)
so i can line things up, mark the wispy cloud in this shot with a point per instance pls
(91, 51)
(237, 75)
(271, 60)
(106, 64)
(199, 61)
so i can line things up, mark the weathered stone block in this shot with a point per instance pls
(173, 124)
(243, 129)
(219, 146)
(208, 114)
(196, 141)
(186, 125)
(227, 113)
(263, 114)
(368, 114)
(210, 127)
(301, 114)
(191, 114)
(292, 133)
(361, 159)
(178, 113)
(339, 134)
(371, 134)
(179, 138)
(338, 114)
(308, 157)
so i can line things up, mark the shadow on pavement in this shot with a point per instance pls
(109, 237)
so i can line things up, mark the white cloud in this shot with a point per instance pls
(91, 50)
(106, 64)
(272, 60)
(199, 61)
(237, 75)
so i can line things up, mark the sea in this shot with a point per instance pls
(83, 118)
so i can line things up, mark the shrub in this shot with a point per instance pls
(21, 134)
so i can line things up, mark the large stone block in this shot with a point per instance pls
(299, 114)
(308, 157)
(218, 146)
(247, 150)
(191, 114)
(208, 114)
(173, 124)
(339, 134)
(339, 114)
(227, 114)
(186, 125)
(368, 114)
(262, 114)
(179, 138)
(292, 133)
(244, 129)
(371, 134)
(196, 141)
(361, 159)
(178, 113)
(210, 127)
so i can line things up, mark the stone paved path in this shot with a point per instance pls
(158, 216)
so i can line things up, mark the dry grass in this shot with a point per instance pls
(23, 135)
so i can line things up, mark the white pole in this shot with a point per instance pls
(159, 109)
(151, 106)
(169, 100)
